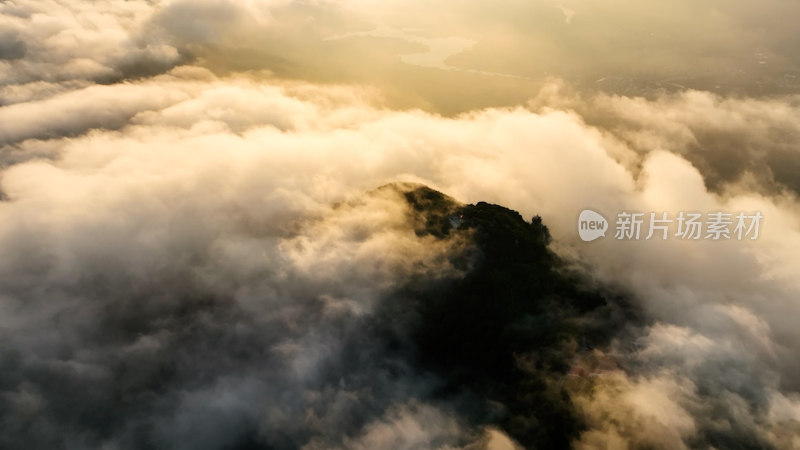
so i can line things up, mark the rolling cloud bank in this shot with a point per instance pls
(219, 229)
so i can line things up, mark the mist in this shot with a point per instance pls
(197, 253)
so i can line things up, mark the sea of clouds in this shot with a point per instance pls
(187, 259)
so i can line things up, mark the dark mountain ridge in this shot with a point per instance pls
(507, 332)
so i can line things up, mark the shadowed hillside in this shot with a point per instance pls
(502, 338)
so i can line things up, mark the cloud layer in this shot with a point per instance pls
(189, 259)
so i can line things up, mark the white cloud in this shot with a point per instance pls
(249, 188)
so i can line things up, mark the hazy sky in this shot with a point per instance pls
(161, 152)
